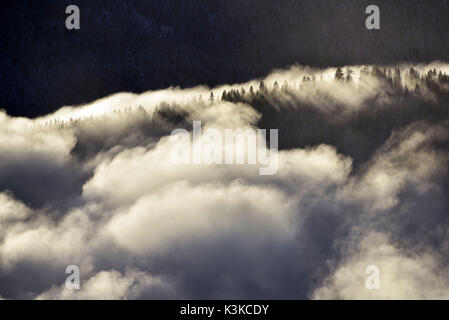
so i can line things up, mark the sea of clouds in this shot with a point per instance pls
(94, 186)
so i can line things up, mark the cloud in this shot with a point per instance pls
(361, 180)
(406, 160)
(156, 222)
(113, 285)
(403, 275)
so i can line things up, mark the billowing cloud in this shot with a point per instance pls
(361, 180)
(402, 274)
(113, 285)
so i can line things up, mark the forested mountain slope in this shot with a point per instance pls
(136, 45)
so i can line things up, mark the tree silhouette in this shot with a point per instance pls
(339, 76)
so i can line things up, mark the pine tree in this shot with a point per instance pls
(364, 71)
(339, 76)
(349, 74)
(413, 74)
(224, 96)
(397, 80)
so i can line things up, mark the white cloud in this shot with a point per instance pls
(103, 194)
(113, 285)
(403, 275)
(183, 213)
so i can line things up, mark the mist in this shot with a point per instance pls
(362, 180)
